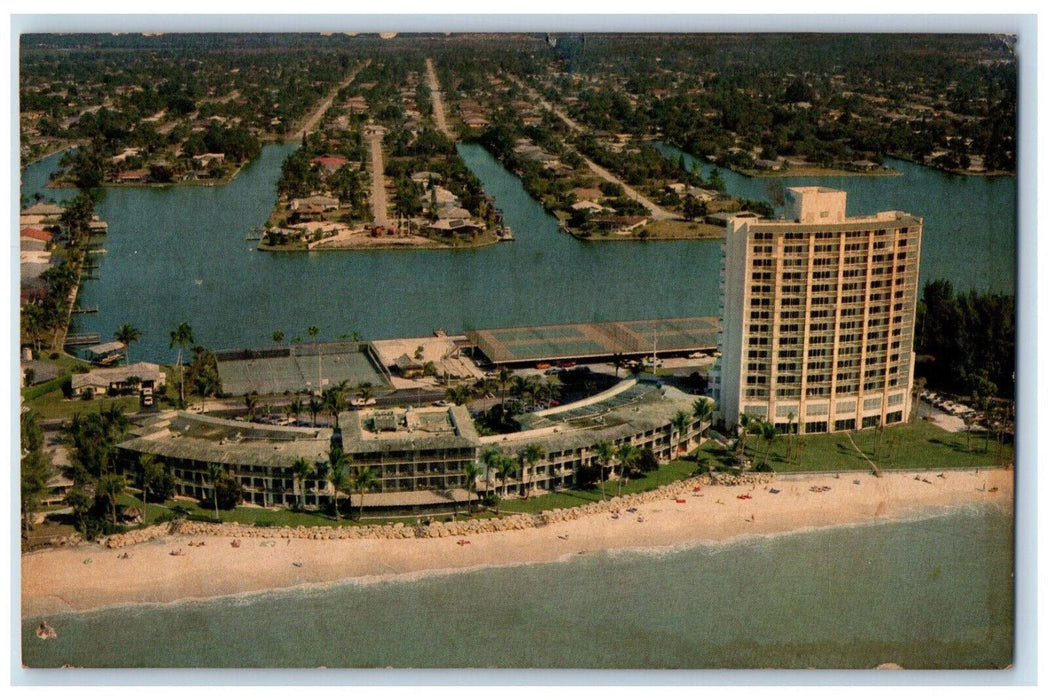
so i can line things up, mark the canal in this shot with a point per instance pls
(180, 254)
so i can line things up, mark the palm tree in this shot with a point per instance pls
(251, 403)
(302, 468)
(182, 337)
(605, 453)
(127, 334)
(110, 487)
(314, 408)
(745, 421)
(702, 409)
(490, 458)
(471, 472)
(627, 455)
(363, 479)
(503, 379)
(151, 471)
(768, 432)
(365, 390)
(553, 387)
(531, 455)
(278, 337)
(338, 463)
(510, 469)
(334, 400)
(215, 473)
(918, 386)
(313, 332)
(320, 474)
(459, 395)
(294, 409)
(969, 423)
(680, 421)
(619, 361)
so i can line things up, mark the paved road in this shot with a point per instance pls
(438, 100)
(379, 212)
(314, 119)
(657, 212)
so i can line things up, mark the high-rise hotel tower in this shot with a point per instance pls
(817, 316)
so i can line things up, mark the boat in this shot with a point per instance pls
(506, 234)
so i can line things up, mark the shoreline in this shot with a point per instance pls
(89, 577)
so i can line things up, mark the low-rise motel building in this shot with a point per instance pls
(817, 316)
(418, 455)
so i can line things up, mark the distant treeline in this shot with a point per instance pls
(968, 340)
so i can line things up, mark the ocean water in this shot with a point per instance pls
(933, 592)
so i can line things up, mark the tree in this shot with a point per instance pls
(531, 455)
(301, 468)
(605, 453)
(108, 489)
(459, 395)
(215, 473)
(182, 337)
(768, 432)
(278, 337)
(490, 458)
(363, 479)
(127, 334)
(334, 400)
(150, 473)
(918, 388)
(338, 476)
(702, 409)
(745, 423)
(680, 421)
(294, 409)
(314, 407)
(627, 455)
(251, 403)
(470, 473)
(508, 468)
(503, 378)
(35, 468)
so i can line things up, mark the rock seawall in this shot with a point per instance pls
(458, 528)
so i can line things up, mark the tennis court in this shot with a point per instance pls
(591, 340)
(279, 370)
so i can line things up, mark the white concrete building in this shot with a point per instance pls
(817, 313)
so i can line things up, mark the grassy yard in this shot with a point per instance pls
(51, 403)
(919, 445)
(570, 498)
(683, 229)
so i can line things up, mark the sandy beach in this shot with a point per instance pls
(85, 577)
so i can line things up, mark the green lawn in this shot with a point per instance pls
(53, 404)
(571, 498)
(912, 446)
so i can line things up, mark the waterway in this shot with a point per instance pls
(180, 254)
(931, 593)
(969, 222)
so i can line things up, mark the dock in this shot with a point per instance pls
(86, 310)
(83, 339)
